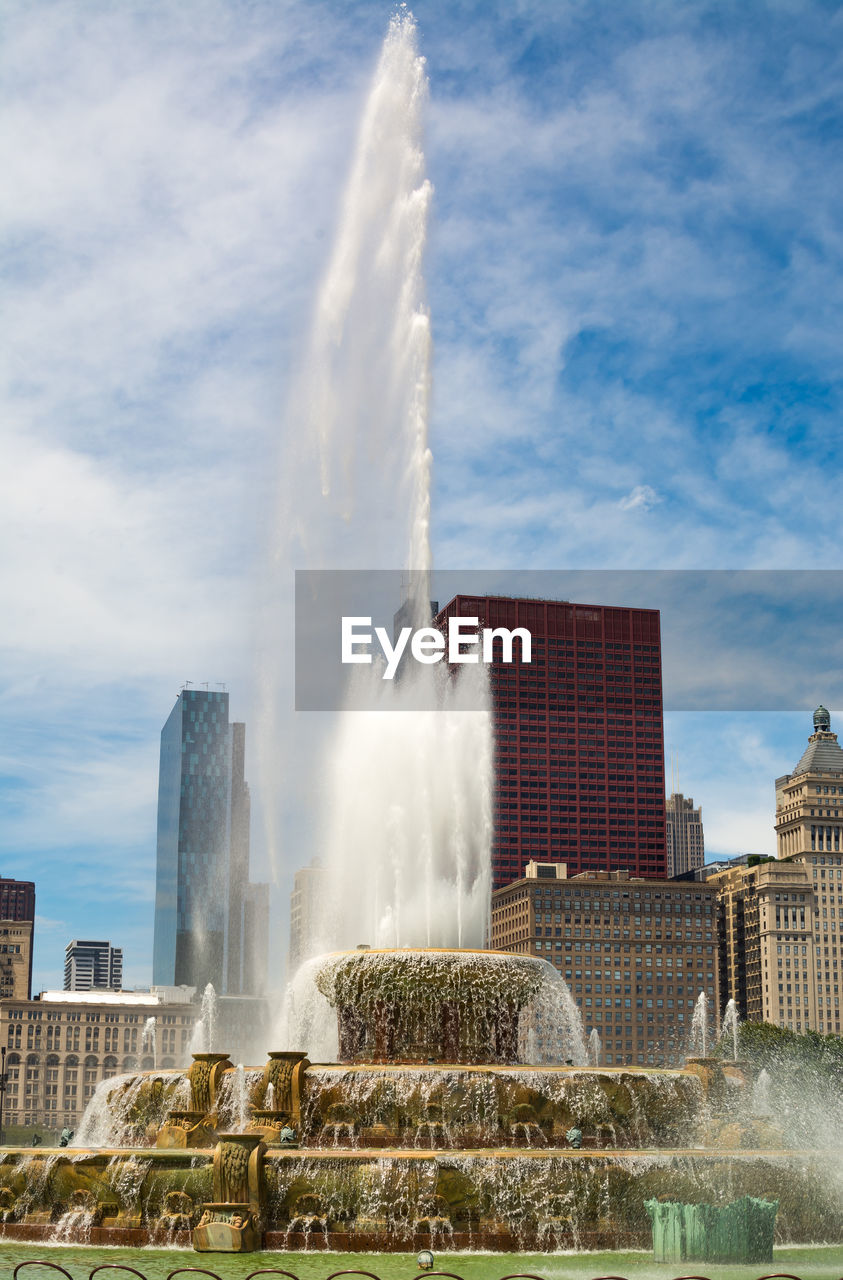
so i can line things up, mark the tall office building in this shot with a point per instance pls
(635, 953)
(17, 922)
(579, 734)
(92, 966)
(202, 895)
(255, 938)
(684, 832)
(17, 899)
(780, 951)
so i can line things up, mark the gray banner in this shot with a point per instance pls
(732, 640)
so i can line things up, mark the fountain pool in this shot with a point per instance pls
(428, 1133)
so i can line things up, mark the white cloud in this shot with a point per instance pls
(642, 498)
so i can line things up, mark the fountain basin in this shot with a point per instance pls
(428, 1005)
(418, 1153)
(371, 1200)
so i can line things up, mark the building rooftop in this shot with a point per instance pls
(158, 995)
(823, 754)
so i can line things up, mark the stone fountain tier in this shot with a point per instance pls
(428, 1005)
(441, 1107)
(401, 1201)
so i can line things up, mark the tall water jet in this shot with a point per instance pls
(204, 1029)
(699, 1027)
(148, 1040)
(731, 1019)
(241, 1099)
(431, 1040)
(594, 1048)
(408, 820)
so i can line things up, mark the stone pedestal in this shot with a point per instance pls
(226, 1228)
(205, 1076)
(285, 1072)
(233, 1221)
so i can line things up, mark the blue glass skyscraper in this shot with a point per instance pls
(202, 896)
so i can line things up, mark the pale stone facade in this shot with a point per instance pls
(781, 920)
(59, 1047)
(809, 801)
(780, 924)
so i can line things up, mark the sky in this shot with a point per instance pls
(633, 274)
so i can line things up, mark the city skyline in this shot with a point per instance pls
(634, 286)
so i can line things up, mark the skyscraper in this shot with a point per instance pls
(579, 733)
(90, 966)
(684, 831)
(202, 892)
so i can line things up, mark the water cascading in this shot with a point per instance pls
(241, 1099)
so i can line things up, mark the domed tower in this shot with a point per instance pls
(809, 801)
(822, 720)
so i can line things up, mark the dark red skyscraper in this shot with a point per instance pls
(579, 737)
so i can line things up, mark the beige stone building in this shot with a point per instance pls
(809, 801)
(781, 920)
(15, 959)
(60, 1046)
(635, 953)
(780, 941)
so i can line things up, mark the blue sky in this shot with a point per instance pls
(633, 272)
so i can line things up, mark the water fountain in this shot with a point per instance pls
(204, 1028)
(445, 1118)
(148, 1040)
(427, 1132)
(731, 1021)
(699, 1026)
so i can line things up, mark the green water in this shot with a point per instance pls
(821, 1262)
